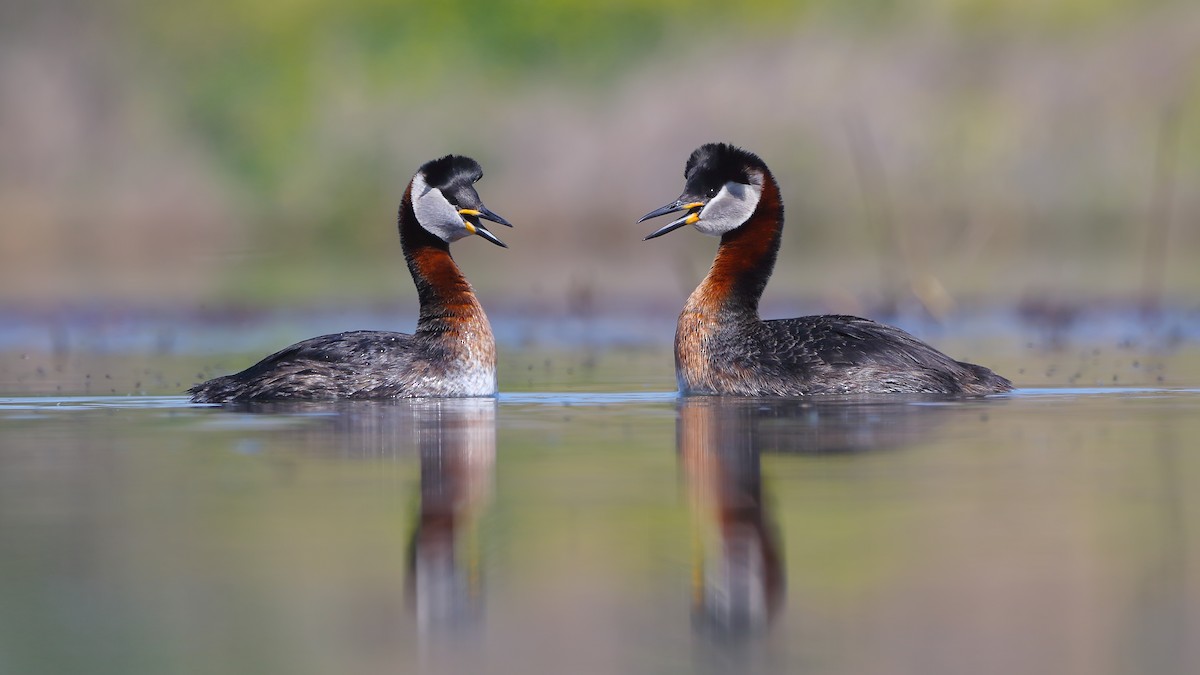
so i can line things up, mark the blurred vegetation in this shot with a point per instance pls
(254, 151)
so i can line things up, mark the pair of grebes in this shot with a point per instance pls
(722, 347)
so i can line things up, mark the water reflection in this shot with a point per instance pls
(1045, 532)
(457, 444)
(738, 574)
(842, 425)
(739, 579)
(455, 440)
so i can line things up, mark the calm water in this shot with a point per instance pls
(1050, 531)
(588, 521)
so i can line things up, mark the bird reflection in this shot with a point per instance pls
(738, 574)
(738, 578)
(456, 439)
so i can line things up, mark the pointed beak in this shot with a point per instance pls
(471, 222)
(693, 209)
(485, 213)
(677, 205)
(482, 231)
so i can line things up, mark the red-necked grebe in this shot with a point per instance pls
(723, 347)
(452, 352)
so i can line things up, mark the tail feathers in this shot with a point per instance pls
(235, 388)
(216, 390)
(985, 382)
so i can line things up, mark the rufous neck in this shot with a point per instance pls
(443, 291)
(745, 258)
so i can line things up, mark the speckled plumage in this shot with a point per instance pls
(451, 354)
(723, 347)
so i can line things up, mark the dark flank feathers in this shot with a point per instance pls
(837, 354)
(357, 364)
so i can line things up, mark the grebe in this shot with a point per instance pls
(452, 352)
(722, 347)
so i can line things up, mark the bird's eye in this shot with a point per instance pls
(712, 192)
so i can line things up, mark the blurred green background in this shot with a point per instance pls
(254, 151)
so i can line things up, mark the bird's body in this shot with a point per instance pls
(723, 347)
(814, 355)
(452, 352)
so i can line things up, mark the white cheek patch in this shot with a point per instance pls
(435, 213)
(732, 206)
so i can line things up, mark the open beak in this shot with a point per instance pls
(693, 215)
(474, 226)
(485, 213)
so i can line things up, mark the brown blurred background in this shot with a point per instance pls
(252, 152)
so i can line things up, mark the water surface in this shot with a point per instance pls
(1052, 530)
